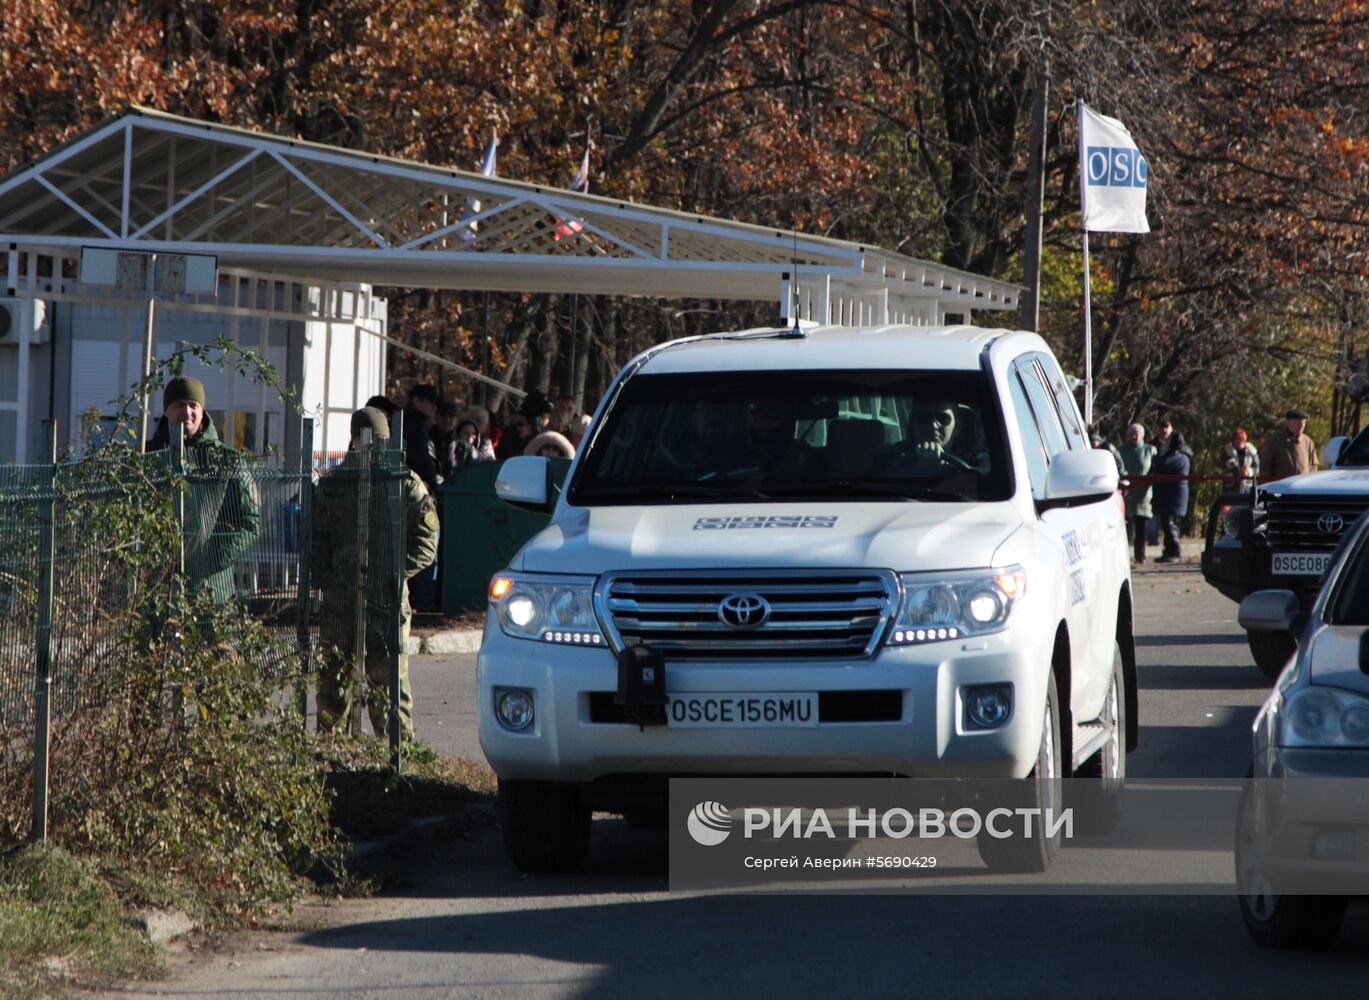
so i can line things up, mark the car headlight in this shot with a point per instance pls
(1325, 717)
(546, 609)
(1229, 520)
(951, 607)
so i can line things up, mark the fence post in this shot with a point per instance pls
(396, 585)
(180, 586)
(42, 692)
(177, 447)
(304, 541)
(360, 684)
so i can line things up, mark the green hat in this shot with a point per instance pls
(369, 416)
(183, 388)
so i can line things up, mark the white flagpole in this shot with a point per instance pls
(1088, 306)
(1088, 340)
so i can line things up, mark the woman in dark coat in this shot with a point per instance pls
(1171, 495)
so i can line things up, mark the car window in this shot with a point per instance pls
(1047, 420)
(1067, 408)
(769, 435)
(1032, 445)
(1357, 450)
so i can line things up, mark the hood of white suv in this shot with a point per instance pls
(1331, 482)
(899, 536)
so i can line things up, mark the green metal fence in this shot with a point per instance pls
(91, 549)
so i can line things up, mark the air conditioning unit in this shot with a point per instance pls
(12, 313)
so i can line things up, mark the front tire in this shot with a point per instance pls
(1271, 919)
(1101, 788)
(1041, 790)
(1271, 651)
(546, 827)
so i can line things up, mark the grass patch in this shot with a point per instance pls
(62, 924)
(64, 919)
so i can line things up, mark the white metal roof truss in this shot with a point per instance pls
(155, 182)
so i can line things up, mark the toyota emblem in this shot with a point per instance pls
(1330, 524)
(744, 610)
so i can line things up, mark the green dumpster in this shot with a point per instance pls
(480, 532)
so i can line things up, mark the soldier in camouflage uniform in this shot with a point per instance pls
(222, 508)
(333, 566)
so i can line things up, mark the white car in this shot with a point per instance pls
(1302, 840)
(854, 551)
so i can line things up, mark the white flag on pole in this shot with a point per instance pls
(580, 182)
(1113, 176)
(486, 170)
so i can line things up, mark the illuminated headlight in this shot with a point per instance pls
(1325, 717)
(547, 609)
(937, 608)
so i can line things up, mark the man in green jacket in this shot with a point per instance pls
(222, 508)
(396, 495)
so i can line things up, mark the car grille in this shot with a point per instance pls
(812, 616)
(1309, 524)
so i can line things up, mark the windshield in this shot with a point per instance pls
(1350, 603)
(1357, 451)
(736, 436)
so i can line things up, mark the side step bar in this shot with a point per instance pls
(1088, 740)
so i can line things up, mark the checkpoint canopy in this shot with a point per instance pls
(301, 233)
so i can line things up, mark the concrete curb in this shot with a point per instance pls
(162, 926)
(449, 642)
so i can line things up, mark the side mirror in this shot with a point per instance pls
(1331, 452)
(1270, 611)
(1364, 652)
(525, 483)
(1080, 477)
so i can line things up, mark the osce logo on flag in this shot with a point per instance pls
(1116, 166)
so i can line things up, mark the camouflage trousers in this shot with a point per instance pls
(336, 690)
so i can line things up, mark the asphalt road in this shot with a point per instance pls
(466, 924)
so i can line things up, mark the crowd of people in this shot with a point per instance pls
(444, 436)
(1158, 473)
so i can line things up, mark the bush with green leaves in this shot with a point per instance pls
(176, 747)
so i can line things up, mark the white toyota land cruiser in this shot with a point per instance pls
(856, 551)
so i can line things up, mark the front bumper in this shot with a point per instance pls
(1311, 813)
(1237, 571)
(927, 739)
(1232, 570)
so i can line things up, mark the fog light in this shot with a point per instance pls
(987, 706)
(513, 708)
(1334, 845)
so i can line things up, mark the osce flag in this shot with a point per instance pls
(1113, 176)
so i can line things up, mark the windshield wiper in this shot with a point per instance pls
(822, 488)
